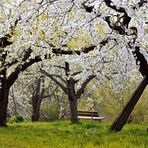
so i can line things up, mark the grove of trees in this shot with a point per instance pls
(69, 45)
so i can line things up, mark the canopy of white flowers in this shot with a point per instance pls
(115, 27)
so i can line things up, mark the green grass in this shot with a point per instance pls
(62, 134)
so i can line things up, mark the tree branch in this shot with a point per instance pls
(81, 90)
(125, 18)
(25, 57)
(143, 62)
(50, 95)
(21, 67)
(58, 51)
(27, 54)
(58, 76)
(54, 79)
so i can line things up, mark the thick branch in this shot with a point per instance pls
(81, 90)
(70, 52)
(122, 24)
(21, 67)
(24, 58)
(67, 70)
(109, 4)
(88, 8)
(143, 62)
(4, 41)
(54, 79)
(27, 54)
(60, 77)
(76, 73)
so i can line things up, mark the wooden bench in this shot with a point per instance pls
(89, 115)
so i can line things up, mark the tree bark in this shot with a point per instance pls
(73, 110)
(37, 99)
(4, 93)
(123, 116)
(36, 103)
(35, 115)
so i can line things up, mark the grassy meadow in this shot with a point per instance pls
(62, 134)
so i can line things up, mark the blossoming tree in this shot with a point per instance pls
(128, 23)
(35, 30)
(24, 41)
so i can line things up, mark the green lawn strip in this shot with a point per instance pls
(62, 134)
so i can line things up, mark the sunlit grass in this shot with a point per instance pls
(62, 134)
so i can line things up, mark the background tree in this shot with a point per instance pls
(68, 85)
(39, 92)
(120, 26)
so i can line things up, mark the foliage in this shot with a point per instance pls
(50, 110)
(140, 113)
(16, 119)
(109, 102)
(113, 103)
(62, 134)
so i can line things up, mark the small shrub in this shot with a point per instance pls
(16, 119)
